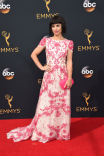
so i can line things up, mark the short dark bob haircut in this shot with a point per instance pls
(55, 20)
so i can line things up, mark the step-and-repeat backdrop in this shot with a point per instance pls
(22, 25)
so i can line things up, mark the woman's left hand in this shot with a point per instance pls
(68, 83)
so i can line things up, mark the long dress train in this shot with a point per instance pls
(53, 112)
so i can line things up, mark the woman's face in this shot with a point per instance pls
(57, 28)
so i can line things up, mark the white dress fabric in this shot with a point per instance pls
(52, 119)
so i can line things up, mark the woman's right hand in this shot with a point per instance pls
(45, 67)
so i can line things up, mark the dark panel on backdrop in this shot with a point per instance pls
(22, 25)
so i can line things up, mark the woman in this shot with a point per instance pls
(53, 112)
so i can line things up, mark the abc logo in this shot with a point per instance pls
(3, 6)
(85, 5)
(86, 73)
(8, 73)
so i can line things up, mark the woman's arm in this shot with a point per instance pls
(34, 54)
(69, 64)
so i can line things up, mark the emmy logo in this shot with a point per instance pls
(86, 96)
(86, 108)
(4, 33)
(47, 2)
(87, 32)
(88, 47)
(7, 96)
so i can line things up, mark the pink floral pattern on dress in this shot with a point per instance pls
(71, 46)
(53, 112)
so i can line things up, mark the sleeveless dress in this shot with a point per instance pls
(52, 118)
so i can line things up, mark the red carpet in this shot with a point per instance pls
(87, 139)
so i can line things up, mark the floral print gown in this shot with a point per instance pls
(52, 119)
